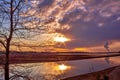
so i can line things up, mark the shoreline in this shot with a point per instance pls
(98, 75)
(18, 58)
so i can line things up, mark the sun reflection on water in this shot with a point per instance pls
(62, 67)
(41, 71)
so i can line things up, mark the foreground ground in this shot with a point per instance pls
(107, 74)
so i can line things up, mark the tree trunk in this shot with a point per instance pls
(6, 69)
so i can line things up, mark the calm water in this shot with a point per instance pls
(52, 71)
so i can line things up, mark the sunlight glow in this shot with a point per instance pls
(62, 67)
(61, 39)
(79, 49)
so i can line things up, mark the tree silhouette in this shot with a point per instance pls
(16, 24)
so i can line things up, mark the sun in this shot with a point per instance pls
(61, 39)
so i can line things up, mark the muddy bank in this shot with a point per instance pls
(107, 74)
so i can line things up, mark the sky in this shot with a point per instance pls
(88, 24)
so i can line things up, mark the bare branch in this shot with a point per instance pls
(17, 76)
(17, 5)
(3, 35)
(3, 43)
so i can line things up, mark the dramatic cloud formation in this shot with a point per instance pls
(88, 23)
(95, 24)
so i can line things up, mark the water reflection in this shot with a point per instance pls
(107, 60)
(39, 71)
(58, 70)
(62, 67)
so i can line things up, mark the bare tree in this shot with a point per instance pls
(7, 17)
(15, 24)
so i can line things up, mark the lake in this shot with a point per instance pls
(59, 70)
